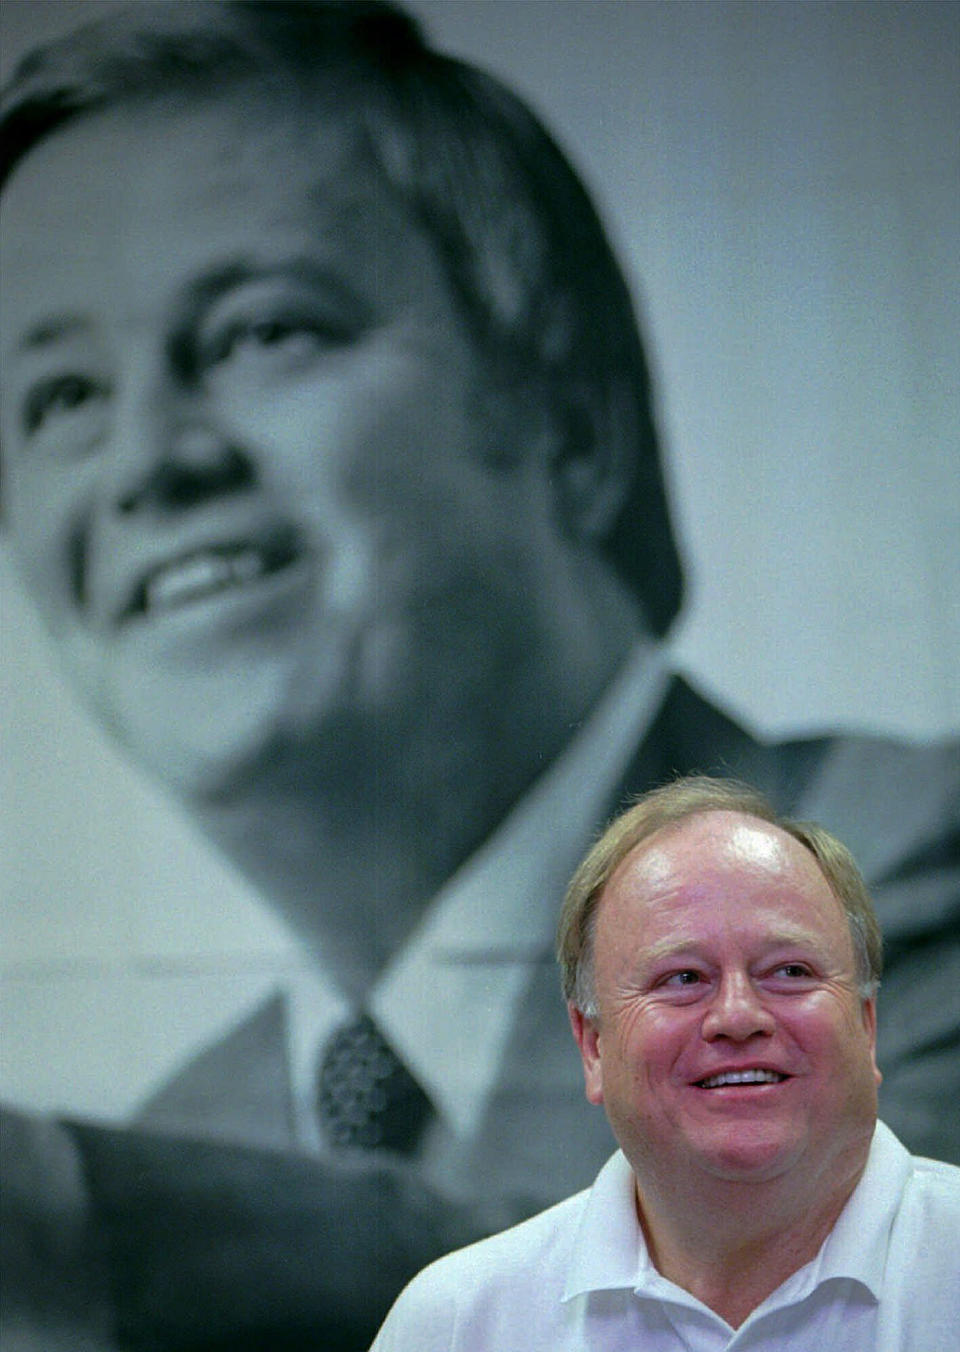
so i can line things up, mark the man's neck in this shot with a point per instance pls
(733, 1244)
(350, 852)
(350, 891)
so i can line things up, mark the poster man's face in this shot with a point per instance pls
(246, 449)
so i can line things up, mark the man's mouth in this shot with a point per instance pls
(208, 571)
(741, 1077)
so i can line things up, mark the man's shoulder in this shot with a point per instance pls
(870, 787)
(906, 1180)
(921, 1276)
(703, 734)
(540, 1244)
(513, 1279)
(934, 1186)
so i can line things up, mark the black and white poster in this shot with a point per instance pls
(346, 588)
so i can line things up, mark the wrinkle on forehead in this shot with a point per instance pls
(724, 839)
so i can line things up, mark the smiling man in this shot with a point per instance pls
(721, 966)
(330, 463)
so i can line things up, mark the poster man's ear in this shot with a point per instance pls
(593, 459)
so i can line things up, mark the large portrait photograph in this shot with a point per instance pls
(425, 427)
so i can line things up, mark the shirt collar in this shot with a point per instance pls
(610, 1251)
(856, 1247)
(447, 1001)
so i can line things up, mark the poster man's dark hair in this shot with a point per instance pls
(525, 253)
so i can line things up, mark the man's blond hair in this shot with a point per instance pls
(673, 803)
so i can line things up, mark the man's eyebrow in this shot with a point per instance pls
(49, 331)
(211, 285)
(787, 937)
(667, 949)
(204, 291)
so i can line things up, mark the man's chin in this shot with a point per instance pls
(198, 751)
(748, 1159)
(195, 772)
(200, 734)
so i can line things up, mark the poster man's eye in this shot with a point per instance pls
(59, 396)
(278, 342)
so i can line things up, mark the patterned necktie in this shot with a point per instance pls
(366, 1097)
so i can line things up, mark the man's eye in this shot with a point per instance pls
(56, 397)
(793, 970)
(281, 342)
(688, 977)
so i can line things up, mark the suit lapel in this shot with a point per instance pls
(237, 1089)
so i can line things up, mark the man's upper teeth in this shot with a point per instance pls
(202, 574)
(742, 1077)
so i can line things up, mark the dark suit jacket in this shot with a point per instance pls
(898, 808)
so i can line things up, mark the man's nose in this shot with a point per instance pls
(170, 454)
(737, 1011)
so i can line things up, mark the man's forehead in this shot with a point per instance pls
(226, 132)
(701, 857)
(719, 876)
(776, 932)
(710, 836)
(182, 187)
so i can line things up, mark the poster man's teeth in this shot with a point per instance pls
(201, 575)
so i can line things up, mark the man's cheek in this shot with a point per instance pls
(46, 584)
(37, 519)
(347, 570)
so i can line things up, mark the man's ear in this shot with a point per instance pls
(869, 1014)
(593, 459)
(587, 1035)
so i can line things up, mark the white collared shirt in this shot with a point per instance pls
(447, 1000)
(578, 1278)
